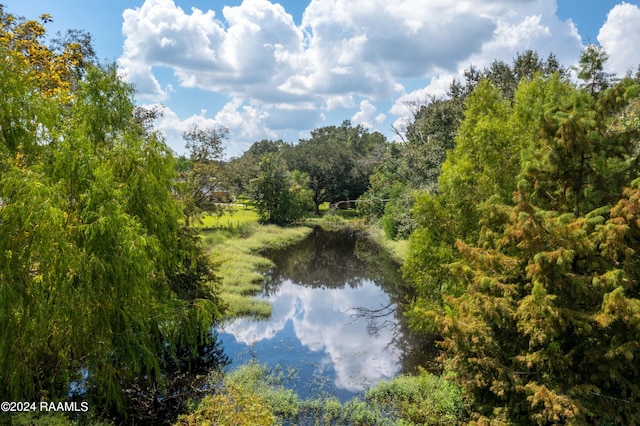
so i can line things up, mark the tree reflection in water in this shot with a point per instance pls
(337, 300)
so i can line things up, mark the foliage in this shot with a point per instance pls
(97, 274)
(543, 326)
(280, 197)
(240, 171)
(200, 187)
(397, 220)
(491, 142)
(338, 161)
(235, 405)
(428, 138)
(591, 69)
(435, 129)
(55, 69)
(487, 150)
(422, 399)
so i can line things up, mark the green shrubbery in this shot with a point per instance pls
(423, 399)
(255, 395)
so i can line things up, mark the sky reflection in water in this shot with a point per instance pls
(317, 331)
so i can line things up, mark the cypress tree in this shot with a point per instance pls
(547, 329)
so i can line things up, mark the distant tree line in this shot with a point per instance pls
(286, 180)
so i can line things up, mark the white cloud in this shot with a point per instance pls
(367, 115)
(246, 123)
(531, 25)
(244, 59)
(620, 36)
(342, 50)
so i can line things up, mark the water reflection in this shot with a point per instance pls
(332, 322)
(324, 331)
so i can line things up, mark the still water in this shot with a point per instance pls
(336, 324)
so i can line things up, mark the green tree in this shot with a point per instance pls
(428, 138)
(338, 160)
(483, 164)
(432, 135)
(545, 331)
(241, 170)
(201, 179)
(280, 196)
(96, 273)
(591, 69)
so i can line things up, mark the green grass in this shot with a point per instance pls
(233, 217)
(399, 249)
(236, 252)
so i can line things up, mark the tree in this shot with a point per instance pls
(483, 165)
(56, 68)
(433, 132)
(281, 197)
(338, 160)
(201, 181)
(241, 170)
(428, 138)
(545, 331)
(591, 69)
(99, 281)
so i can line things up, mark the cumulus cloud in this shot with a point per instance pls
(363, 47)
(281, 76)
(620, 36)
(240, 58)
(367, 115)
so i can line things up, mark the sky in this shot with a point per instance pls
(277, 70)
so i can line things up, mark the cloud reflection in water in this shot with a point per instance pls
(317, 331)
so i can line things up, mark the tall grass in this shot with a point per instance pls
(233, 216)
(236, 251)
(399, 249)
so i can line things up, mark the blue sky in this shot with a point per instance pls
(278, 70)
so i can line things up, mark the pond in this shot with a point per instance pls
(336, 324)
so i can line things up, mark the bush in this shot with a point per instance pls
(253, 394)
(398, 222)
(423, 399)
(235, 405)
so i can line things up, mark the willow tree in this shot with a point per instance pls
(99, 282)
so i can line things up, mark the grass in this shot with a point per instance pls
(236, 239)
(236, 250)
(399, 249)
(233, 216)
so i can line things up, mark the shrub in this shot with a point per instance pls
(423, 399)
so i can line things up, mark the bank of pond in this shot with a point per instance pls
(335, 347)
